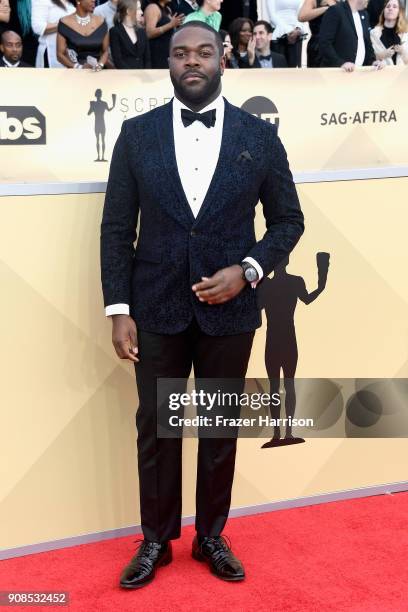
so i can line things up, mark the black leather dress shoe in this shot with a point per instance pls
(142, 567)
(216, 552)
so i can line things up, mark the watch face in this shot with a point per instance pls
(251, 275)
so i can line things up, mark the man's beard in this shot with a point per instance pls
(197, 97)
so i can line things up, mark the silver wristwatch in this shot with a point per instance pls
(249, 273)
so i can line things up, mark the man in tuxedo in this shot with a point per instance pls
(263, 36)
(344, 37)
(194, 169)
(11, 48)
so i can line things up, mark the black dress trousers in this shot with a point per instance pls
(159, 459)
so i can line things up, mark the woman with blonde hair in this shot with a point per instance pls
(390, 37)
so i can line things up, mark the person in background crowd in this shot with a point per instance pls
(374, 10)
(263, 36)
(243, 44)
(312, 11)
(45, 15)
(390, 36)
(183, 7)
(140, 15)
(4, 12)
(107, 10)
(208, 12)
(232, 9)
(160, 25)
(344, 37)
(128, 41)
(19, 21)
(226, 42)
(81, 36)
(288, 32)
(11, 49)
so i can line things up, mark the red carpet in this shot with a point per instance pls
(348, 555)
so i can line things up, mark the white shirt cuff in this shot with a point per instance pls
(115, 309)
(257, 267)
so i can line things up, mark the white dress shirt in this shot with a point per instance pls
(9, 64)
(359, 61)
(265, 63)
(203, 145)
(197, 150)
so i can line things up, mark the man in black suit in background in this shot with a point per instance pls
(344, 37)
(263, 36)
(11, 48)
(194, 169)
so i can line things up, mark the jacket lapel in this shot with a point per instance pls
(125, 37)
(231, 146)
(165, 134)
(350, 16)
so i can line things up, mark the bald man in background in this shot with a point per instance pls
(11, 48)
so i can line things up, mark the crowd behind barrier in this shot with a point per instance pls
(135, 34)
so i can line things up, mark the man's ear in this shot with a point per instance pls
(270, 36)
(222, 64)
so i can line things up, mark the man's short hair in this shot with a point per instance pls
(266, 25)
(3, 34)
(203, 26)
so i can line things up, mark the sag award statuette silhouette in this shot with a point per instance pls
(98, 107)
(279, 296)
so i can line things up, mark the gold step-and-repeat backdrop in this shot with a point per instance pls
(68, 453)
(55, 127)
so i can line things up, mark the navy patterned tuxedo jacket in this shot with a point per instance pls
(174, 249)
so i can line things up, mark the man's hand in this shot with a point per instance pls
(348, 66)
(221, 287)
(124, 337)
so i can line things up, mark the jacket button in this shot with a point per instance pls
(193, 233)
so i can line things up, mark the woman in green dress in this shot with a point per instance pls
(209, 12)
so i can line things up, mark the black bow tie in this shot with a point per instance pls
(188, 117)
(264, 57)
